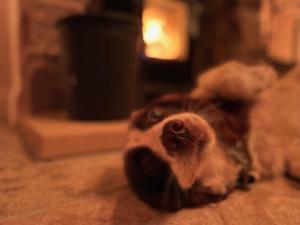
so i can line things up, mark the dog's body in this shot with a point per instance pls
(238, 125)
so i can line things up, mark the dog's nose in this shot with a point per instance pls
(176, 137)
(177, 127)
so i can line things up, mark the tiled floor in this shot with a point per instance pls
(92, 190)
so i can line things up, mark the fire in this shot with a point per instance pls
(160, 36)
(153, 30)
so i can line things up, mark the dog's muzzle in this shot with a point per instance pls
(179, 136)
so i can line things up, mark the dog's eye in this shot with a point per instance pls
(154, 115)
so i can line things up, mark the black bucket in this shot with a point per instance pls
(101, 56)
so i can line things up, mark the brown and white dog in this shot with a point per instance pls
(240, 124)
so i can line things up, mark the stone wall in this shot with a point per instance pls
(229, 30)
(43, 75)
(249, 47)
(5, 62)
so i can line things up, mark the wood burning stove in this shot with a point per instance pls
(100, 54)
(166, 61)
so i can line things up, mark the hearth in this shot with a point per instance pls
(179, 39)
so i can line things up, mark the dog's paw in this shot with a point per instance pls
(234, 81)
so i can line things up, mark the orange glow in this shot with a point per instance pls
(164, 37)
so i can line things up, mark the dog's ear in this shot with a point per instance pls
(147, 175)
(142, 166)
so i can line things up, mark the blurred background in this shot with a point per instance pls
(97, 60)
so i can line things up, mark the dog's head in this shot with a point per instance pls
(179, 150)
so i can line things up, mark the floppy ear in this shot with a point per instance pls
(147, 175)
(234, 81)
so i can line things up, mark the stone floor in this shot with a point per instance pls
(91, 189)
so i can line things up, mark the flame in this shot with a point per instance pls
(161, 38)
(153, 30)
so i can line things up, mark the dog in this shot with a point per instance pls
(240, 124)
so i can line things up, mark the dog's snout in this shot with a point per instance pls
(177, 127)
(176, 136)
(182, 135)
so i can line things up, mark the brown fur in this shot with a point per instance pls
(274, 139)
(251, 124)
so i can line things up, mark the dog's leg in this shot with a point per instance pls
(234, 81)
